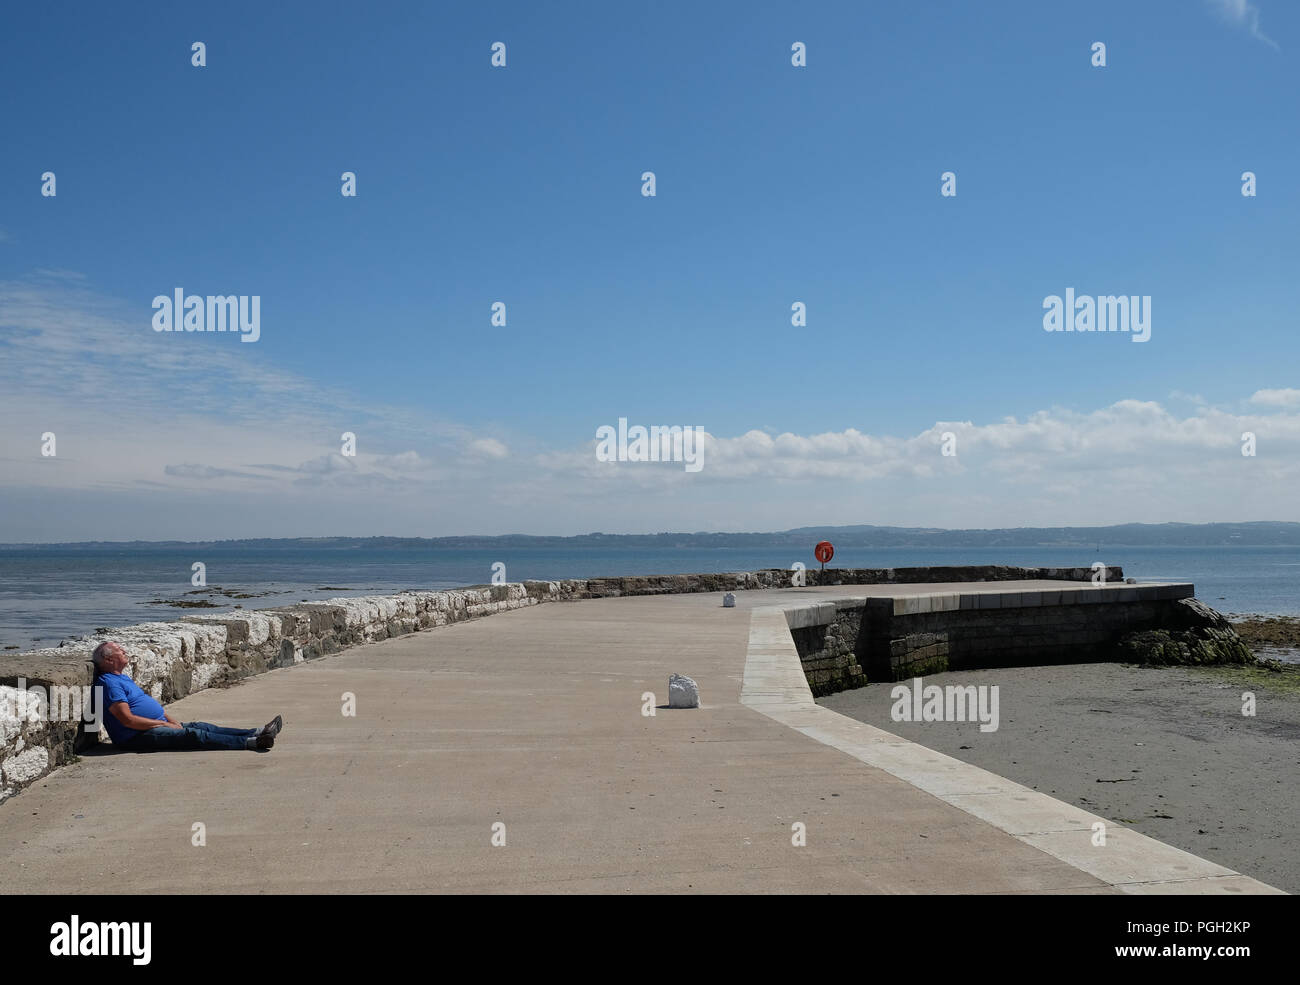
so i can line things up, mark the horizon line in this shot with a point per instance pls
(659, 533)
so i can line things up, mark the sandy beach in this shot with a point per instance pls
(1166, 751)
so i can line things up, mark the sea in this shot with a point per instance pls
(48, 594)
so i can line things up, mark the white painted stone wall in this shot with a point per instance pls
(207, 645)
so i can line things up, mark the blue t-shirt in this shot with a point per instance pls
(119, 687)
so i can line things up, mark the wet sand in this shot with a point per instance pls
(1166, 751)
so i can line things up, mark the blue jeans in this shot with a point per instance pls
(191, 735)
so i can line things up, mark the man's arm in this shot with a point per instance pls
(123, 713)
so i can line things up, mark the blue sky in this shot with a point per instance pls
(522, 184)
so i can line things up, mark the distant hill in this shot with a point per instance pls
(1265, 533)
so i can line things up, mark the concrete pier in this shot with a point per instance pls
(533, 720)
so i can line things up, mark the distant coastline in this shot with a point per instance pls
(1263, 533)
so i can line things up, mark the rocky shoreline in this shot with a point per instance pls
(1270, 638)
(1192, 634)
(1271, 631)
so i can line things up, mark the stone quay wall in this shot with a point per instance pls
(989, 629)
(826, 636)
(846, 643)
(736, 581)
(176, 658)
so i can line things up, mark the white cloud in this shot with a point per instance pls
(326, 464)
(191, 470)
(190, 441)
(1242, 14)
(489, 448)
(129, 405)
(407, 461)
(1276, 398)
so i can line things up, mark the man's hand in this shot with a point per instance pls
(122, 712)
(172, 721)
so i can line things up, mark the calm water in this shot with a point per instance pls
(51, 594)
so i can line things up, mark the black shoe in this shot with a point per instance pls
(273, 726)
(265, 742)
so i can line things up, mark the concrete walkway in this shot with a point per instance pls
(533, 719)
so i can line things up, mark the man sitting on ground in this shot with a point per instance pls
(137, 722)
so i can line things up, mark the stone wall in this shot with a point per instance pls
(736, 581)
(173, 659)
(848, 642)
(914, 645)
(990, 629)
(826, 636)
